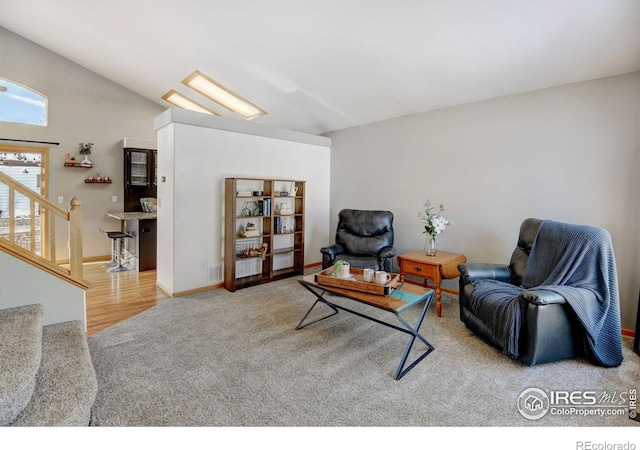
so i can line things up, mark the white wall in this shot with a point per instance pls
(83, 107)
(22, 284)
(196, 153)
(569, 154)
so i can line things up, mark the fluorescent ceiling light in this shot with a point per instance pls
(221, 95)
(183, 102)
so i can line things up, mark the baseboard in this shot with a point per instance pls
(315, 264)
(629, 333)
(88, 259)
(97, 258)
(164, 289)
(190, 291)
(211, 287)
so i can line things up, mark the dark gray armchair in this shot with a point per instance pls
(557, 299)
(364, 239)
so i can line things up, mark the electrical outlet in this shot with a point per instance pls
(203, 266)
(114, 198)
(60, 199)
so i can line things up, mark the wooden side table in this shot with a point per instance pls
(435, 268)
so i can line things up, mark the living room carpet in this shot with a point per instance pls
(235, 359)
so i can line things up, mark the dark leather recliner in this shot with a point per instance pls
(549, 330)
(364, 239)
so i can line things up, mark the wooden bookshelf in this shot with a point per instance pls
(275, 208)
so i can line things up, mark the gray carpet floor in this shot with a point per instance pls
(235, 359)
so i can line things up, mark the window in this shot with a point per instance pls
(28, 166)
(23, 164)
(19, 104)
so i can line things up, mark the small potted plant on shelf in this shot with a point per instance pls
(250, 230)
(85, 149)
(341, 268)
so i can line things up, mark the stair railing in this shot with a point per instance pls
(32, 236)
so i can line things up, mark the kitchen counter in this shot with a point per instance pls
(133, 215)
(141, 247)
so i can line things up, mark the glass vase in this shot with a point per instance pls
(430, 246)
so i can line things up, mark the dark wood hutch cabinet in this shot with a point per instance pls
(140, 177)
(140, 181)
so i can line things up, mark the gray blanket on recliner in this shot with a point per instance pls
(577, 262)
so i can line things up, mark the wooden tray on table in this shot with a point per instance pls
(356, 282)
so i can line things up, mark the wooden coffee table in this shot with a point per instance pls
(435, 268)
(396, 302)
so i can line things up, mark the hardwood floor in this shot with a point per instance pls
(114, 297)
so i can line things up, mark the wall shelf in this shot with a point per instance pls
(77, 165)
(97, 182)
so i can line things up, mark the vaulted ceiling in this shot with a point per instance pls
(324, 65)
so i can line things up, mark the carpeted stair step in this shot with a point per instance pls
(66, 384)
(20, 355)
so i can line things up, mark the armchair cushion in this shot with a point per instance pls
(332, 250)
(520, 257)
(484, 271)
(387, 252)
(364, 232)
(542, 297)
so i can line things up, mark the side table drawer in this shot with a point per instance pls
(419, 270)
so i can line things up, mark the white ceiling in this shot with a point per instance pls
(324, 65)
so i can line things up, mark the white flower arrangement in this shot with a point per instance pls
(434, 223)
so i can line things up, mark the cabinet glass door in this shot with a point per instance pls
(139, 169)
(155, 168)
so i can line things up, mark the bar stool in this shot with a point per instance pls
(114, 261)
(117, 251)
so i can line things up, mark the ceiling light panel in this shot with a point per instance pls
(221, 95)
(176, 98)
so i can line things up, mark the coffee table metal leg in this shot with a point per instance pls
(407, 328)
(401, 371)
(319, 300)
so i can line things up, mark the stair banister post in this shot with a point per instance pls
(75, 238)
